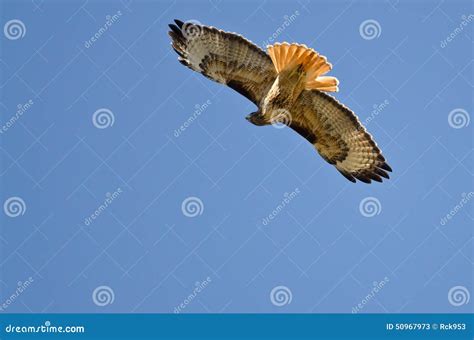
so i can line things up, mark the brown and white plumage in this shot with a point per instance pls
(339, 137)
(290, 78)
(227, 58)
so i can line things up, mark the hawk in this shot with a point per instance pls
(288, 85)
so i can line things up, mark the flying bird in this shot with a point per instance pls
(288, 85)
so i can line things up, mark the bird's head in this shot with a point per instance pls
(256, 118)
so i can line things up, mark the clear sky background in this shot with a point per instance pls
(331, 244)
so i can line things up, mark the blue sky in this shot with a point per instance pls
(188, 214)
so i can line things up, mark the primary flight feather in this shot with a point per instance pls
(288, 85)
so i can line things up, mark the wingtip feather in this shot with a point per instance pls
(179, 23)
(175, 29)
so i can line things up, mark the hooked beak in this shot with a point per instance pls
(256, 118)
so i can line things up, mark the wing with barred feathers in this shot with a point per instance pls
(339, 137)
(224, 57)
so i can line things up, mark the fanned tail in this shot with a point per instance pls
(287, 56)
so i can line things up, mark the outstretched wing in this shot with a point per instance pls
(224, 57)
(339, 137)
